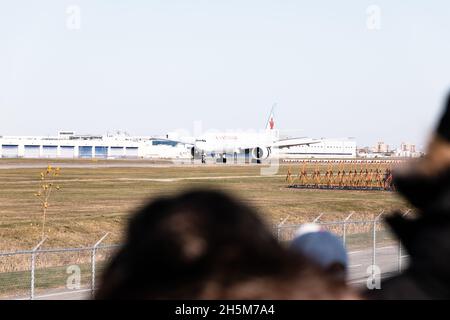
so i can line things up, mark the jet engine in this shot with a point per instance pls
(260, 153)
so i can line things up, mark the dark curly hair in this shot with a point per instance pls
(207, 245)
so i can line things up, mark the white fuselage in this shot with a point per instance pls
(230, 142)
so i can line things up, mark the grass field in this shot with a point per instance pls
(98, 197)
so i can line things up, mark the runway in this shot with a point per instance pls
(386, 259)
(89, 164)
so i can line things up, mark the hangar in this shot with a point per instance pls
(69, 145)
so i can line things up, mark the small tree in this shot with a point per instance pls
(47, 185)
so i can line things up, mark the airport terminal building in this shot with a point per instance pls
(69, 145)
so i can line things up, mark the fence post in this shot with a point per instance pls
(344, 231)
(33, 266)
(400, 248)
(374, 248)
(279, 226)
(94, 250)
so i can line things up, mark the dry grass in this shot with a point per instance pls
(98, 200)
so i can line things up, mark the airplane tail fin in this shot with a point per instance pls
(270, 125)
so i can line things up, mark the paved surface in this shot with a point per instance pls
(153, 179)
(122, 164)
(386, 259)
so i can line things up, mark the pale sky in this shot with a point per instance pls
(149, 67)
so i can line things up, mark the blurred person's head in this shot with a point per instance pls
(438, 151)
(426, 181)
(208, 245)
(437, 156)
(323, 248)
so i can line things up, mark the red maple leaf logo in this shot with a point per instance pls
(271, 123)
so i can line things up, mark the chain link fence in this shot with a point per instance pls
(66, 273)
(75, 273)
(368, 242)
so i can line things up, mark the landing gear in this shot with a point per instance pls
(247, 156)
(192, 155)
(222, 158)
(196, 153)
(258, 155)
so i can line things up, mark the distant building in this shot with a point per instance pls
(363, 152)
(408, 147)
(407, 150)
(69, 145)
(381, 147)
(382, 150)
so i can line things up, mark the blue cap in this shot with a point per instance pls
(322, 247)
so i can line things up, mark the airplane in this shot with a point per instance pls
(258, 145)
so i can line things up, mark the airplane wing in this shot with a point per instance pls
(293, 142)
(188, 143)
(284, 143)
